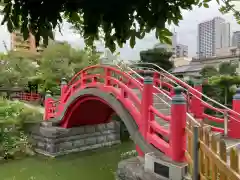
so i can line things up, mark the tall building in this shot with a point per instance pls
(18, 43)
(212, 35)
(236, 39)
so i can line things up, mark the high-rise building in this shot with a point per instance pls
(212, 35)
(236, 39)
(18, 43)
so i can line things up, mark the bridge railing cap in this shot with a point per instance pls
(63, 81)
(48, 93)
(148, 80)
(237, 95)
(178, 97)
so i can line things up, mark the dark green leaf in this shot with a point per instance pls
(25, 33)
(132, 41)
(113, 17)
(10, 26)
(206, 5)
(74, 16)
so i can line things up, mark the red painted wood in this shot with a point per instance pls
(177, 130)
(233, 125)
(120, 84)
(30, 97)
(196, 104)
(147, 102)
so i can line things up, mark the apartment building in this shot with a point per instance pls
(18, 43)
(212, 35)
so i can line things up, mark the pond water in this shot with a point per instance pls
(91, 165)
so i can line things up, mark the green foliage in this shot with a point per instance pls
(226, 68)
(15, 70)
(223, 90)
(13, 142)
(45, 71)
(129, 154)
(157, 56)
(228, 6)
(115, 21)
(209, 71)
(224, 80)
(221, 83)
(61, 60)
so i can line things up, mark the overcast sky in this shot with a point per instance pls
(187, 33)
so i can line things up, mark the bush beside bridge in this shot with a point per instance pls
(13, 118)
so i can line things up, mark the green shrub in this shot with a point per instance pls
(30, 115)
(129, 154)
(13, 141)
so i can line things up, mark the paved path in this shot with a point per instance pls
(38, 108)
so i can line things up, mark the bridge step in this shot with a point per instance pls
(158, 96)
(161, 121)
(160, 105)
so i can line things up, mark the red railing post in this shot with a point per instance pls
(196, 101)
(47, 105)
(234, 125)
(147, 101)
(107, 74)
(177, 126)
(156, 76)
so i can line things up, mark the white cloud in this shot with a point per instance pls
(187, 32)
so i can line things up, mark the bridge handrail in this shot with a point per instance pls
(210, 117)
(190, 117)
(216, 129)
(228, 113)
(203, 102)
(189, 87)
(27, 96)
(94, 79)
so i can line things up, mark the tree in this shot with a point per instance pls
(16, 70)
(220, 82)
(58, 60)
(157, 56)
(225, 82)
(117, 21)
(226, 68)
(61, 60)
(209, 71)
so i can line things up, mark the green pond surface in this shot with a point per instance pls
(100, 164)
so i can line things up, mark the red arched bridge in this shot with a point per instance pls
(155, 107)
